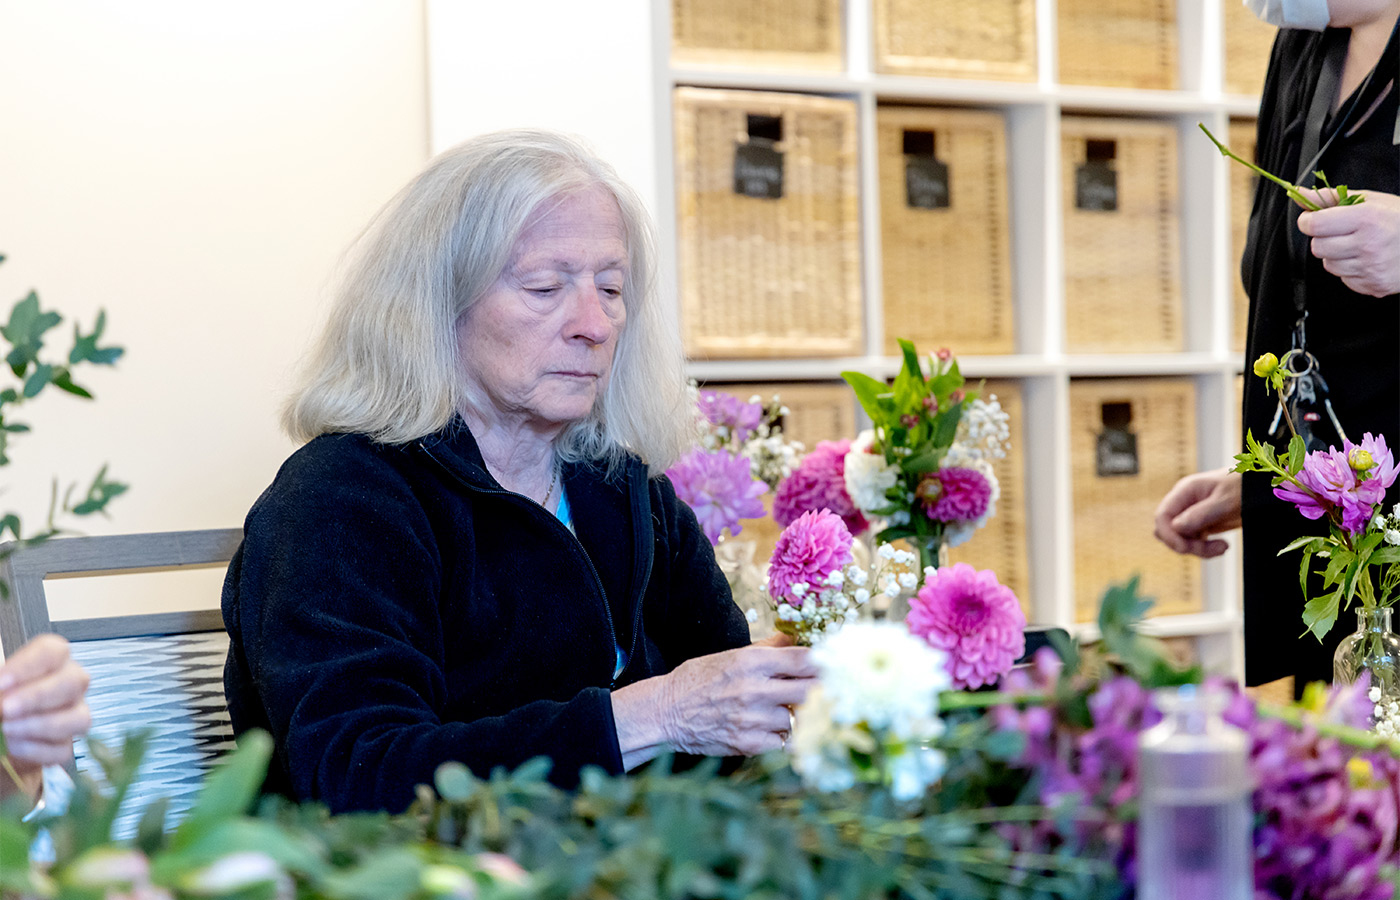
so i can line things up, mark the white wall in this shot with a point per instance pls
(195, 170)
(581, 66)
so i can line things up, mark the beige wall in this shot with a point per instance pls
(195, 170)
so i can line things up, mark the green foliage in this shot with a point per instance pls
(25, 333)
(1145, 658)
(915, 420)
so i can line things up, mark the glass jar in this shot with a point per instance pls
(1373, 652)
(1195, 815)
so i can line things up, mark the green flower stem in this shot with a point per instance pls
(1292, 189)
(949, 700)
(1345, 734)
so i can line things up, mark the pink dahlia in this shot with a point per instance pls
(973, 617)
(955, 495)
(720, 487)
(730, 412)
(1329, 479)
(808, 551)
(819, 482)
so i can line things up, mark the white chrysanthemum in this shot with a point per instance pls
(867, 476)
(984, 430)
(1392, 536)
(956, 533)
(915, 771)
(880, 674)
(820, 749)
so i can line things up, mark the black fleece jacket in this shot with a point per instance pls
(392, 608)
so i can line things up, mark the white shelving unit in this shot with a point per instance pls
(1032, 111)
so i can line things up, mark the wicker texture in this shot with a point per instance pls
(817, 411)
(1248, 42)
(947, 271)
(1113, 513)
(764, 277)
(1001, 544)
(1242, 183)
(992, 39)
(1118, 43)
(780, 33)
(1122, 279)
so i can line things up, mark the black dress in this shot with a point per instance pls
(1355, 338)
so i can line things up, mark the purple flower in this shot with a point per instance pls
(819, 482)
(720, 487)
(1329, 480)
(973, 617)
(810, 549)
(729, 411)
(955, 495)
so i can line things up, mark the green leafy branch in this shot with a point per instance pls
(915, 421)
(1344, 197)
(25, 332)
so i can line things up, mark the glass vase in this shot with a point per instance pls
(933, 552)
(1373, 651)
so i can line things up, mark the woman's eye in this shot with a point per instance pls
(611, 291)
(543, 291)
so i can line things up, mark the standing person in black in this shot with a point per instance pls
(1328, 281)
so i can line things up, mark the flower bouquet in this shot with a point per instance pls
(924, 469)
(1361, 549)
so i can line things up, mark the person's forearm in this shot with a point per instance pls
(641, 733)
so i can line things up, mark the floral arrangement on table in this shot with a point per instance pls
(896, 785)
(923, 472)
(1361, 551)
(741, 454)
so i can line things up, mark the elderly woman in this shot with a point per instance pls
(475, 557)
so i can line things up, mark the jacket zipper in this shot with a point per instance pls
(593, 570)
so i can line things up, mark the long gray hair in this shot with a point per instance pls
(387, 362)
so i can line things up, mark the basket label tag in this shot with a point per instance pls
(758, 171)
(926, 183)
(1116, 451)
(1095, 181)
(925, 176)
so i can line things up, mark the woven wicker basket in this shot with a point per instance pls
(1242, 183)
(1001, 544)
(992, 39)
(947, 269)
(1114, 507)
(768, 277)
(1122, 281)
(1118, 43)
(817, 411)
(1248, 42)
(804, 34)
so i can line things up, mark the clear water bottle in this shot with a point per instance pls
(1195, 816)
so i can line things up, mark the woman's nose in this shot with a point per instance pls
(590, 320)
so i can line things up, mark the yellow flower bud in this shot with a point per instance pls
(1266, 365)
(1360, 774)
(1360, 460)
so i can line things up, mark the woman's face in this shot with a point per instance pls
(537, 348)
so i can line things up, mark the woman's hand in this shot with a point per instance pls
(734, 703)
(1360, 243)
(41, 708)
(1196, 507)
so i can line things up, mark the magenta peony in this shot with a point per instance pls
(956, 495)
(819, 482)
(729, 411)
(973, 617)
(720, 487)
(810, 549)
